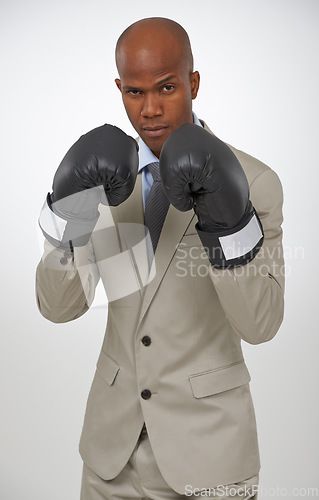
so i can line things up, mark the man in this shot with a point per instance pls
(169, 413)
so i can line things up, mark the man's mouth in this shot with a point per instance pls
(155, 131)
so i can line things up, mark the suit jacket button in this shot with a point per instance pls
(146, 394)
(146, 340)
(63, 261)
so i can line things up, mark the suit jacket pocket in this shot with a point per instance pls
(107, 368)
(219, 380)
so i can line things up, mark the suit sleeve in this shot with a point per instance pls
(252, 295)
(65, 282)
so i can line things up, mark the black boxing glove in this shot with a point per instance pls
(200, 171)
(101, 167)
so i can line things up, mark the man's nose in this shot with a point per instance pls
(151, 106)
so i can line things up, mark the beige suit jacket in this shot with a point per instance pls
(199, 416)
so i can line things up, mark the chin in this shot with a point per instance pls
(154, 145)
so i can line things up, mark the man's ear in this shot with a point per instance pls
(118, 84)
(194, 81)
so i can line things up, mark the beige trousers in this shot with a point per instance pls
(141, 480)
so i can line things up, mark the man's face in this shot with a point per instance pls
(157, 89)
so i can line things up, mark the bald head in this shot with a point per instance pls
(156, 78)
(151, 33)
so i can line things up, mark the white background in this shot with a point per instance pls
(259, 92)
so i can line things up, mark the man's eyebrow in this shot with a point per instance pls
(129, 87)
(169, 77)
(160, 82)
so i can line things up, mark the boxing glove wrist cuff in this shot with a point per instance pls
(236, 246)
(62, 233)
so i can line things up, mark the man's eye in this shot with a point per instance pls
(133, 92)
(168, 87)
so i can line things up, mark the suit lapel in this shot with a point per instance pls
(174, 227)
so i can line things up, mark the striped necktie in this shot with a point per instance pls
(156, 206)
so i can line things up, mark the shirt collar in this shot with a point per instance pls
(145, 154)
